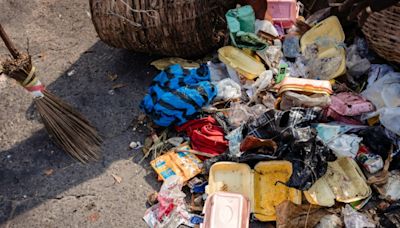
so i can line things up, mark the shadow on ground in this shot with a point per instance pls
(23, 180)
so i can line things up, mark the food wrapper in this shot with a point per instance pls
(183, 164)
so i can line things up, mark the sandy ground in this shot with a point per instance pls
(40, 186)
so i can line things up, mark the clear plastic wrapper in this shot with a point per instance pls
(292, 99)
(354, 219)
(228, 89)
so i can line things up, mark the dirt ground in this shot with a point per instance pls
(40, 186)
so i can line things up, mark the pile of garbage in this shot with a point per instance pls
(289, 125)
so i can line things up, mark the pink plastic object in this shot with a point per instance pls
(283, 12)
(224, 209)
(349, 104)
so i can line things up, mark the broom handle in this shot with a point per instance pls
(10, 45)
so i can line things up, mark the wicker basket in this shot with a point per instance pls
(185, 28)
(382, 30)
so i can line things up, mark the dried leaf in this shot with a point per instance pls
(48, 172)
(117, 178)
(112, 77)
(118, 86)
(94, 217)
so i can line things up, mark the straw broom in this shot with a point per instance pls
(69, 129)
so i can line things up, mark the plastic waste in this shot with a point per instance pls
(235, 137)
(218, 71)
(329, 131)
(345, 145)
(356, 65)
(228, 89)
(304, 85)
(355, 219)
(283, 12)
(375, 91)
(223, 209)
(182, 164)
(391, 95)
(391, 188)
(372, 163)
(377, 71)
(330, 221)
(343, 181)
(292, 99)
(170, 211)
(282, 72)
(241, 24)
(291, 46)
(265, 182)
(272, 56)
(244, 64)
(268, 100)
(322, 47)
(389, 118)
(238, 114)
(298, 69)
(376, 140)
(263, 82)
(265, 26)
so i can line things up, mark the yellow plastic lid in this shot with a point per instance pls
(330, 29)
(243, 63)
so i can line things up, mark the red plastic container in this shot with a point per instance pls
(283, 12)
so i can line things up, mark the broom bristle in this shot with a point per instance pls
(71, 130)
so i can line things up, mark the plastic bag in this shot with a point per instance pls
(323, 67)
(263, 82)
(377, 71)
(292, 99)
(354, 219)
(345, 145)
(218, 71)
(238, 114)
(291, 46)
(228, 89)
(235, 137)
(391, 188)
(375, 91)
(389, 118)
(330, 221)
(272, 55)
(170, 211)
(266, 26)
(356, 65)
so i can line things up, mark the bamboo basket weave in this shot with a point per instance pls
(382, 30)
(184, 28)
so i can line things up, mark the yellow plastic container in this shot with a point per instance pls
(343, 181)
(243, 63)
(264, 185)
(331, 29)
